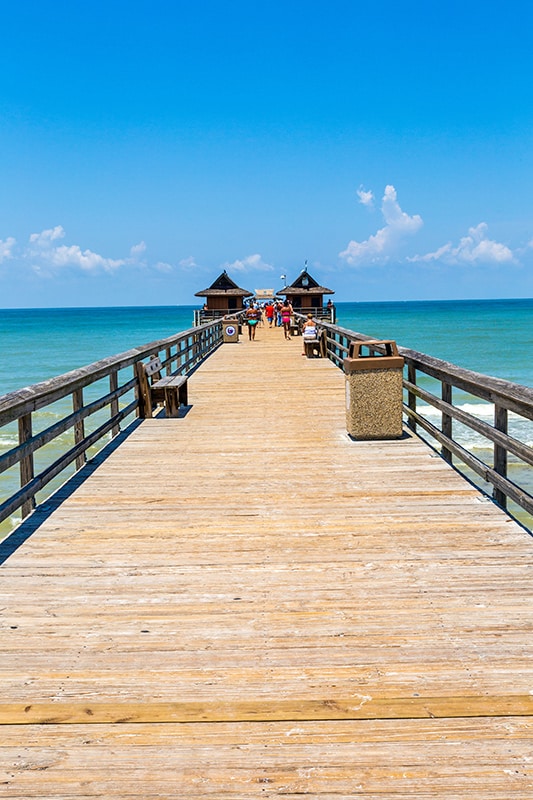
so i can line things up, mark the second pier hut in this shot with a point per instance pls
(307, 296)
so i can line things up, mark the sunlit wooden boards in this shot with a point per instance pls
(243, 602)
(371, 760)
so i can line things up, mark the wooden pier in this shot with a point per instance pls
(245, 603)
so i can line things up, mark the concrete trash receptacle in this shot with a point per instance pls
(230, 330)
(374, 391)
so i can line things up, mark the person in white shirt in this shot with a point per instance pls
(309, 331)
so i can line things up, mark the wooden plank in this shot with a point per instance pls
(296, 710)
(363, 759)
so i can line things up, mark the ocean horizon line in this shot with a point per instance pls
(336, 302)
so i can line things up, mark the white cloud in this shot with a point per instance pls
(86, 260)
(188, 263)
(45, 238)
(251, 263)
(476, 248)
(386, 243)
(47, 257)
(365, 198)
(6, 248)
(137, 250)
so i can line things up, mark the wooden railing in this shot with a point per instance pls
(506, 397)
(101, 396)
(325, 313)
(212, 315)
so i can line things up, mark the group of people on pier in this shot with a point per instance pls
(275, 313)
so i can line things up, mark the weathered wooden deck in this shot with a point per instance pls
(245, 603)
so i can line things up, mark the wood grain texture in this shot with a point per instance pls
(243, 602)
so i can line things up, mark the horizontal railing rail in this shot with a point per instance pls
(118, 400)
(492, 460)
(214, 314)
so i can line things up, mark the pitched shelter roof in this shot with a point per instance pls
(305, 284)
(224, 287)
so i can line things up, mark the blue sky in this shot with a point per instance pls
(146, 146)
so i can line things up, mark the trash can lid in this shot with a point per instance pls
(357, 360)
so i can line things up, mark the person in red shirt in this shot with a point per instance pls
(269, 313)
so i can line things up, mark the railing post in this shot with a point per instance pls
(411, 397)
(79, 427)
(26, 464)
(168, 353)
(113, 386)
(500, 454)
(447, 420)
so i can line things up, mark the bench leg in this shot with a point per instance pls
(184, 394)
(311, 348)
(172, 405)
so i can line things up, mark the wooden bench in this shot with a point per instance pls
(295, 329)
(170, 390)
(316, 346)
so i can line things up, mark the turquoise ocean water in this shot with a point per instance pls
(494, 337)
(36, 344)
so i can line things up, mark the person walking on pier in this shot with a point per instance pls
(286, 314)
(251, 318)
(269, 313)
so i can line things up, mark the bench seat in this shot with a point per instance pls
(172, 391)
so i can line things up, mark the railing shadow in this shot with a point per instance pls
(44, 510)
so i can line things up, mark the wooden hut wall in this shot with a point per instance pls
(224, 303)
(306, 300)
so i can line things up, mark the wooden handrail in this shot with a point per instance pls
(180, 354)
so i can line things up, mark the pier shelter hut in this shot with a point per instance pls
(221, 298)
(306, 295)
